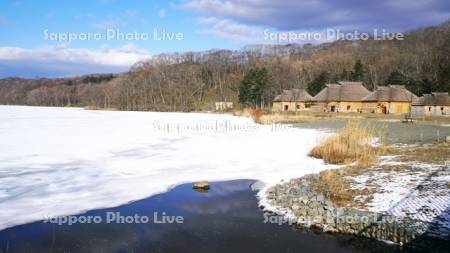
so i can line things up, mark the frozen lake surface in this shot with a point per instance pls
(63, 161)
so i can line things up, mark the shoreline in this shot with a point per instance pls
(298, 204)
(402, 198)
(278, 117)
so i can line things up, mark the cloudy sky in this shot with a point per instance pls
(64, 38)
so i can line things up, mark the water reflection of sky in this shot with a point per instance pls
(225, 219)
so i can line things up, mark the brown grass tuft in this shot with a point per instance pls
(255, 114)
(350, 145)
(285, 118)
(335, 185)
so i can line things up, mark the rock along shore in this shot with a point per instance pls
(302, 205)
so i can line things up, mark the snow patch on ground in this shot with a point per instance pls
(392, 189)
(63, 161)
(421, 193)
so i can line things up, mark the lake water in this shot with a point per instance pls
(397, 132)
(224, 219)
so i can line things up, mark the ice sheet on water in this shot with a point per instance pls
(62, 161)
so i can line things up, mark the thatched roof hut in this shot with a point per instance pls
(342, 91)
(294, 95)
(390, 93)
(433, 99)
(434, 104)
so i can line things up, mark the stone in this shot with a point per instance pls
(321, 210)
(303, 200)
(313, 212)
(320, 198)
(292, 191)
(271, 190)
(202, 186)
(295, 207)
(313, 208)
(328, 205)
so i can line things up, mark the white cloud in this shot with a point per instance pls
(261, 12)
(286, 15)
(231, 30)
(64, 60)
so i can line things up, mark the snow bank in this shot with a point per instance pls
(62, 161)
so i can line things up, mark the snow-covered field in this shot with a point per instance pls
(62, 161)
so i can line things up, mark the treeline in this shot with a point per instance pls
(421, 62)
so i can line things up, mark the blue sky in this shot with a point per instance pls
(24, 23)
(204, 24)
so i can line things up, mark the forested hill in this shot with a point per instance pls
(193, 81)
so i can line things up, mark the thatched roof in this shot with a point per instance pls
(294, 95)
(436, 98)
(342, 91)
(391, 93)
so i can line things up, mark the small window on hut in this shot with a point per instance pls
(348, 107)
(298, 107)
(429, 109)
(286, 107)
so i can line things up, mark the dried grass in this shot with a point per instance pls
(286, 118)
(255, 114)
(98, 108)
(335, 185)
(438, 153)
(352, 144)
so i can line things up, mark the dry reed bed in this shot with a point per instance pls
(286, 118)
(351, 144)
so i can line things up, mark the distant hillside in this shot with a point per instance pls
(242, 56)
(194, 80)
(15, 90)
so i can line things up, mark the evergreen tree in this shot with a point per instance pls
(395, 77)
(357, 73)
(443, 74)
(417, 86)
(424, 86)
(251, 89)
(444, 77)
(318, 83)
